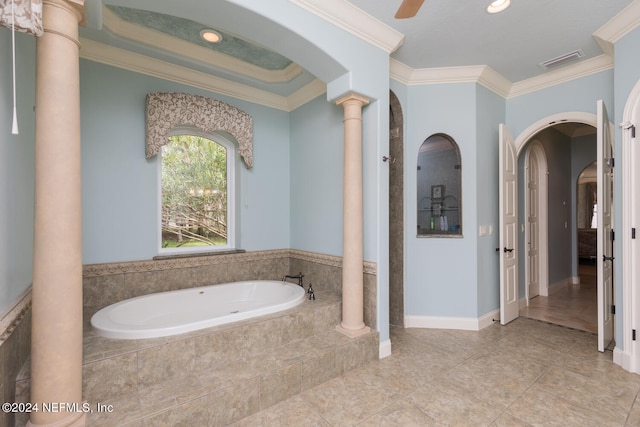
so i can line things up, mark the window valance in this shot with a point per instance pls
(28, 15)
(166, 110)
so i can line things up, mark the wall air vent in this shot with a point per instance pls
(562, 59)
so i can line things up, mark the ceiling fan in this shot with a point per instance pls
(408, 9)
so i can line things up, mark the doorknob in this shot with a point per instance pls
(508, 250)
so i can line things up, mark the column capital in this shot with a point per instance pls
(74, 6)
(353, 97)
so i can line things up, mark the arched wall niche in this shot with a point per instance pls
(439, 187)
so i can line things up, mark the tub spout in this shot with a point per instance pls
(299, 276)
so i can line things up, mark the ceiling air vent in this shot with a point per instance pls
(562, 59)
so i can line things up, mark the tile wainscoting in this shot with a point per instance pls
(15, 344)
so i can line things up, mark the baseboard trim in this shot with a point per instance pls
(384, 350)
(458, 323)
(622, 359)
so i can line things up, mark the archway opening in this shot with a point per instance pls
(565, 297)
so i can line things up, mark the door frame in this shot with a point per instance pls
(629, 358)
(521, 144)
(606, 226)
(536, 148)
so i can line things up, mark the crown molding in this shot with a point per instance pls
(400, 71)
(159, 40)
(345, 15)
(121, 58)
(481, 74)
(617, 27)
(563, 75)
(494, 81)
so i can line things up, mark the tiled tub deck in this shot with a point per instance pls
(218, 375)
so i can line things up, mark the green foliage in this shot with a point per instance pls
(194, 192)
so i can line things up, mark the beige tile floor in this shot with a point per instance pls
(575, 306)
(527, 373)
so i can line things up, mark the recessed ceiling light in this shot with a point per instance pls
(498, 6)
(210, 35)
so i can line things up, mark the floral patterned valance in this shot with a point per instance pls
(166, 110)
(27, 14)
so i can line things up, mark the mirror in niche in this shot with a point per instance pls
(587, 213)
(439, 188)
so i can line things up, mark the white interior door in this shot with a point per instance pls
(508, 159)
(605, 236)
(533, 235)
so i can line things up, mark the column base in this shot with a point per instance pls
(73, 420)
(353, 333)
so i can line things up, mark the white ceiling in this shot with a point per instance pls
(448, 33)
(444, 33)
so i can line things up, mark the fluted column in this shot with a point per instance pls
(352, 323)
(56, 343)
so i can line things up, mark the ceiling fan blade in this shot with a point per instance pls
(408, 9)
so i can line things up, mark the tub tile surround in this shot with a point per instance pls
(105, 284)
(220, 374)
(190, 378)
(303, 350)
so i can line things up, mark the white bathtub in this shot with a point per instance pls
(175, 312)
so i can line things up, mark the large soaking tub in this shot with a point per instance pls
(175, 312)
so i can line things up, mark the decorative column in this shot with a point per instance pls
(352, 242)
(56, 342)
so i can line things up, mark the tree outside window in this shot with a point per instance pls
(194, 193)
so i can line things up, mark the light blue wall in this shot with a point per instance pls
(576, 95)
(491, 112)
(120, 186)
(317, 160)
(16, 168)
(441, 273)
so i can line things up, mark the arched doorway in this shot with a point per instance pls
(566, 299)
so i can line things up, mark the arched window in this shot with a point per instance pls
(439, 183)
(197, 193)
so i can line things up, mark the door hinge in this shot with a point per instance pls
(627, 126)
(611, 162)
(633, 233)
(613, 309)
(613, 235)
(633, 334)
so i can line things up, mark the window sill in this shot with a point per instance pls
(198, 254)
